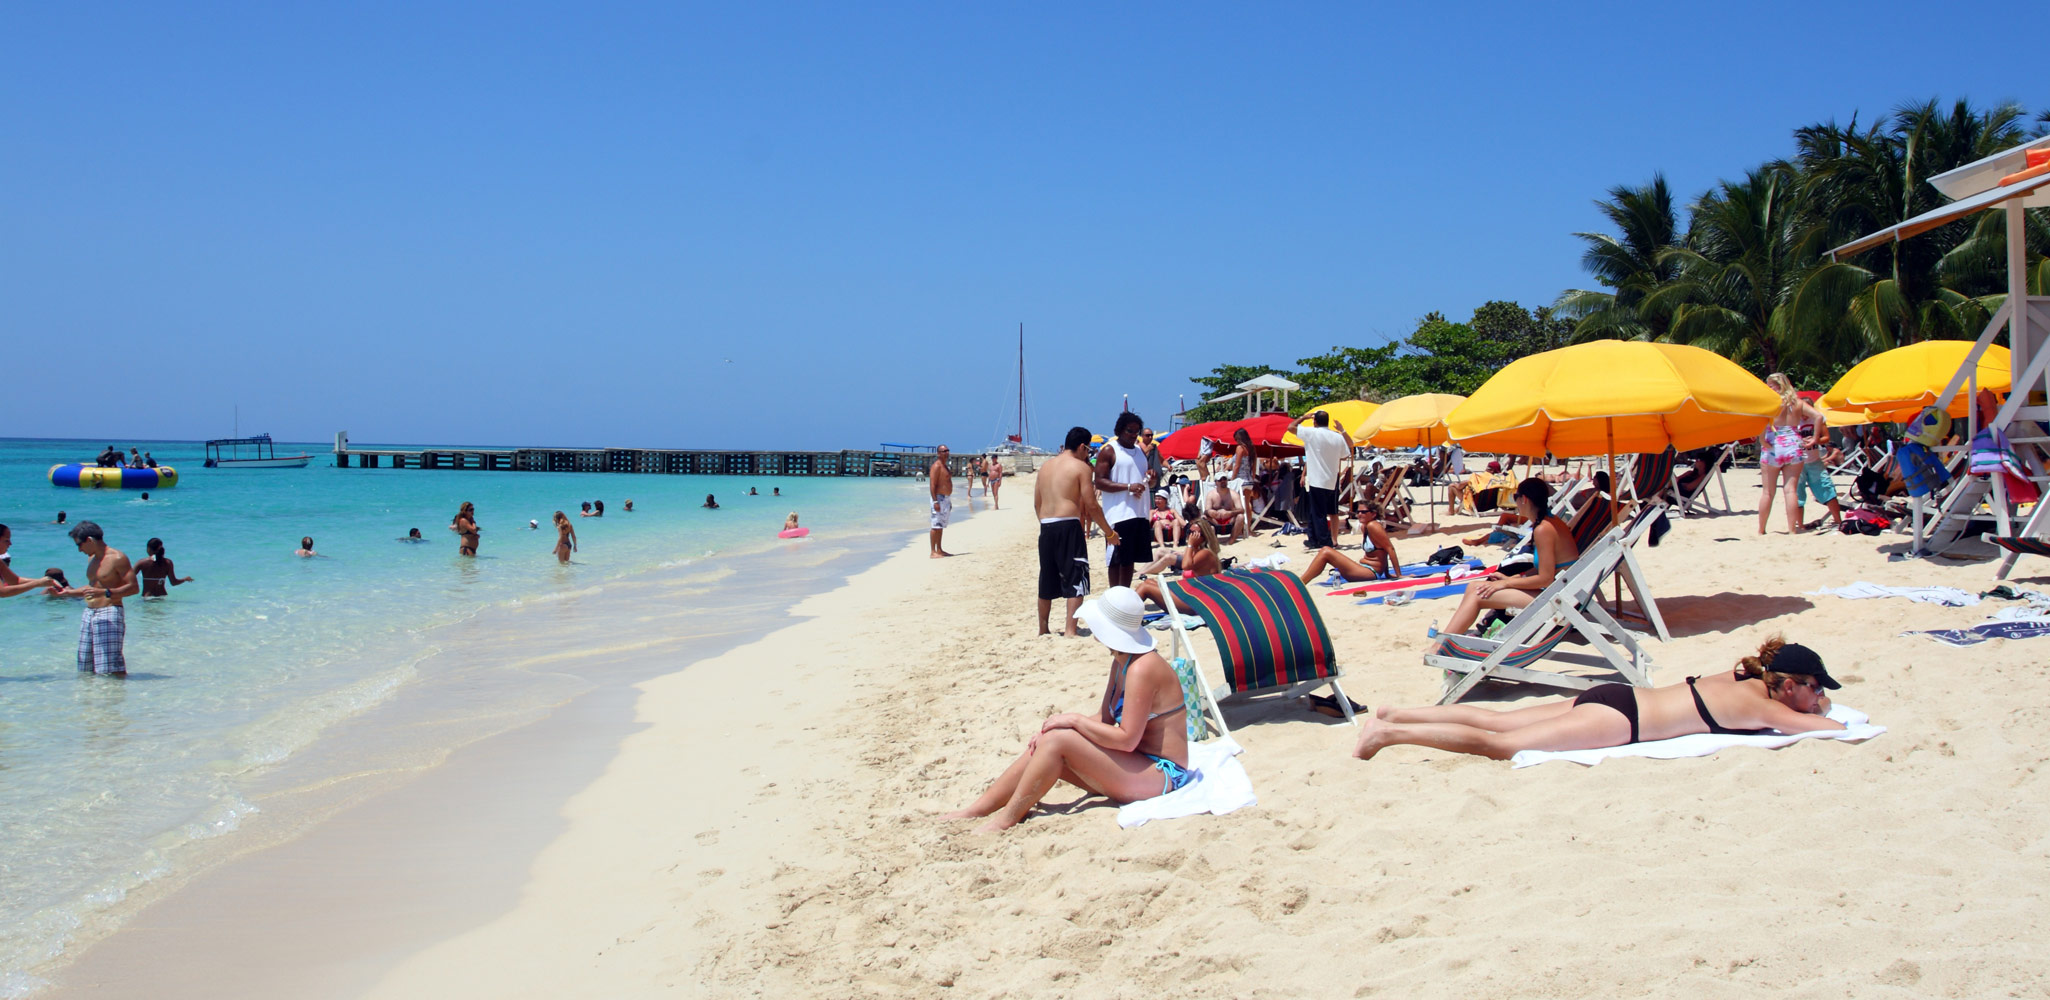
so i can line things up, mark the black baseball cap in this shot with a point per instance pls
(1794, 658)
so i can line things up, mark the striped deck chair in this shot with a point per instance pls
(1698, 502)
(1570, 606)
(2015, 547)
(1651, 475)
(1270, 636)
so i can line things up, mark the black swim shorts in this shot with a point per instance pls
(1135, 542)
(1063, 560)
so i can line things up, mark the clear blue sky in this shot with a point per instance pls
(750, 225)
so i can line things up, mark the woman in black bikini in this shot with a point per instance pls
(1779, 690)
(1551, 540)
(1136, 745)
(465, 527)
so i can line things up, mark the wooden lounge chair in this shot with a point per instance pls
(1571, 605)
(1270, 636)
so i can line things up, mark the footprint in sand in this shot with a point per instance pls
(708, 838)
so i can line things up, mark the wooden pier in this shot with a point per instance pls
(657, 461)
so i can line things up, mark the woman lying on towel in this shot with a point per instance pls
(1551, 541)
(1779, 690)
(1136, 745)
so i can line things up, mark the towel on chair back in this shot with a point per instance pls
(1268, 631)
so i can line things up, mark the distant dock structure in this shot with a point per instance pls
(913, 461)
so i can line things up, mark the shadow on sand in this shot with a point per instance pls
(1725, 612)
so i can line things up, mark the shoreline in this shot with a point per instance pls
(541, 661)
(767, 825)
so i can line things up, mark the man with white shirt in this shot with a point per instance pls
(1121, 478)
(1324, 452)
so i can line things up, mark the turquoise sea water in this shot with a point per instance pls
(107, 785)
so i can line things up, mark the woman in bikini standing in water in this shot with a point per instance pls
(1780, 454)
(1135, 747)
(465, 527)
(156, 571)
(565, 537)
(1778, 690)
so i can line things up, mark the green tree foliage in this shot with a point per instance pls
(1344, 373)
(1748, 274)
(1223, 379)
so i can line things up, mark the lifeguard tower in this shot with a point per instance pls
(2012, 181)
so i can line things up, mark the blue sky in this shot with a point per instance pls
(741, 225)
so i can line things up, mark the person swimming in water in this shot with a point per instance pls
(412, 535)
(629, 505)
(306, 548)
(790, 523)
(155, 570)
(711, 503)
(1778, 690)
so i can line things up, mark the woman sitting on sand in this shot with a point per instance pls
(1551, 541)
(1135, 746)
(1167, 526)
(1779, 690)
(1373, 563)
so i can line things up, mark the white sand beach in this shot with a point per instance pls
(768, 830)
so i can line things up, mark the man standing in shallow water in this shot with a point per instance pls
(940, 483)
(109, 577)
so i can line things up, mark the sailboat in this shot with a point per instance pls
(1015, 444)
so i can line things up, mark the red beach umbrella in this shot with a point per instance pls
(1266, 430)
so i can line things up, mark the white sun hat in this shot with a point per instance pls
(1118, 620)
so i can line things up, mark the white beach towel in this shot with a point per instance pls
(1946, 596)
(1857, 729)
(1221, 786)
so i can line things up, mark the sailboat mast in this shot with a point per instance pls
(1021, 383)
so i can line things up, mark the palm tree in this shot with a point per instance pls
(1628, 262)
(1743, 286)
(1860, 180)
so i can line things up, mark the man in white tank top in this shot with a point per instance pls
(1121, 477)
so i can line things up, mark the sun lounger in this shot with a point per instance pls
(1270, 636)
(1570, 605)
(1696, 501)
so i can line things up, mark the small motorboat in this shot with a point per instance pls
(251, 453)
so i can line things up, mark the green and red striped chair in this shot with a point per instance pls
(1269, 634)
(2016, 545)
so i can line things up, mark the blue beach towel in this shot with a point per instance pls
(1426, 593)
(1332, 579)
(1991, 630)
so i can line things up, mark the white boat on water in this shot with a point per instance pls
(250, 453)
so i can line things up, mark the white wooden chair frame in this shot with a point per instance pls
(1574, 601)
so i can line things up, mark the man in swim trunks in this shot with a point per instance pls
(1122, 477)
(1063, 494)
(940, 483)
(10, 584)
(109, 578)
(994, 476)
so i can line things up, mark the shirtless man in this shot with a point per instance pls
(1063, 493)
(10, 584)
(109, 577)
(940, 482)
(993, 481)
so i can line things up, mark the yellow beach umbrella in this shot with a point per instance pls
(1906, 379)
(1408, 422)
(1353, 413)
(1608, 397)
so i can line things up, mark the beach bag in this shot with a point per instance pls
(1446, 556)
